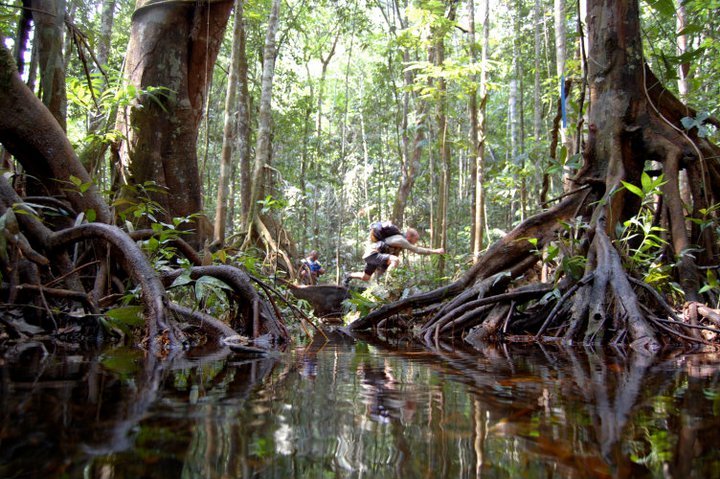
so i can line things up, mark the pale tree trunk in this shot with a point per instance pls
(229, 129)
(682, 45)
(514, 111)
(479, 140)
(560, 58)
(262, 147)
(343, 159)
(445, 159)
(49, 19)
(303, 174)
(473, 114)
(321, 86)
(106, 27)
(684, 90)
(244, 107)
(537, 106)
(537, 93)
(173, 46)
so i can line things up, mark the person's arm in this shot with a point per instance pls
(400, 241)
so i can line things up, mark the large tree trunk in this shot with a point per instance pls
(49, 158)
(170, 59)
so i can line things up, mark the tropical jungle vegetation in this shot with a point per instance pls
(167, 164)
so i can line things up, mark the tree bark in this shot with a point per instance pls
(49, 19)
(172, 47)
(560, 59)
(262, 147)
(479, 140)
(229, 128)
(49, 157)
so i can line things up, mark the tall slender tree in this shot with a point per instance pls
(478, 137)
(263, 146)
(232, 110)
(49, 19)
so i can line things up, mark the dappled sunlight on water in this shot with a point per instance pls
(360, 408)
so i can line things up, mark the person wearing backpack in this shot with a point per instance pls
(386, 244)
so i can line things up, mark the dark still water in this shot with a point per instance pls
(360, 409)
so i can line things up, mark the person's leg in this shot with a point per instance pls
(371, 264)
(360, 275)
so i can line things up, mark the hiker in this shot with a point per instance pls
(386, 243)
(311, 268)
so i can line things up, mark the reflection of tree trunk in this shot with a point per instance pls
(691, 438)
(217, 447)
(480, 434)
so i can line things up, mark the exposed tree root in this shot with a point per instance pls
(183, 246)
(252, 308)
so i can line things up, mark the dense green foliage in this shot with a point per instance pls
(337, 137)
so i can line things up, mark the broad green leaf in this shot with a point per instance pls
(182, 280)
(129, 315)
(633, 189)
(663, 7)
(690, 29)
(646, 182)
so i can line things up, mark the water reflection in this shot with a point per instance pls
(360, 408)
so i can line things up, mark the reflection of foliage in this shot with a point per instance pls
(125, 362)
(262, 447)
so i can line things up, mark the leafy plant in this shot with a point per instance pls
(641, 239)
(123, 319)
(135, 203)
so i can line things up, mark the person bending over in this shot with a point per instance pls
(383, 255)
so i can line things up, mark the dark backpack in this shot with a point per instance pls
(381, 230)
